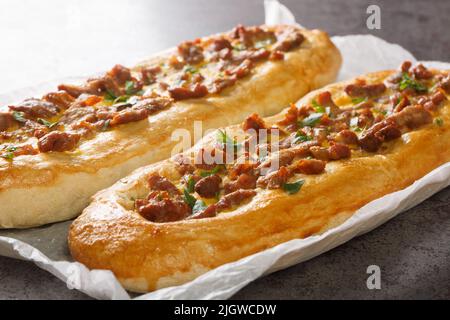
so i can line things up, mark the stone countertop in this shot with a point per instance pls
(42, 41)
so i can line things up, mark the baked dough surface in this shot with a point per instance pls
(146, 256)
(55, 186)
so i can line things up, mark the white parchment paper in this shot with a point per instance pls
(47, 247)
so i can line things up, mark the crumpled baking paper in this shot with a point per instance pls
(47, 246)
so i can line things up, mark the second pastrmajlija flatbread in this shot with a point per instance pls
(339, 148)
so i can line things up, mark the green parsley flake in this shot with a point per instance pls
(9, 155)
(109, 96)
(130, 88)
(407, 82)
(215, 170)
(106, 125)
(294, 187)
(189, 199)
(358, 100)
(190, 69)
(223, 138)
(319, 108)
(439, 122)
(19, 116)
(311, 120)
(47, 123)
(190, 184)
(301, 137)
(121, 99)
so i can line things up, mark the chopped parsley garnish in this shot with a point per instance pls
(109, 96)
(199, 206)
(47, 123)
(319, 108)
(189, 199)
(9, 155)
(407, 82)
(215, 170)
(125, 99)
(130, 88)
(439, 122)
(294, 187)
(301, 137)
(311, 120)
(223, 138)
(19, 116)
(358, 100)
(196, 204)
(190, 69)
(190, 184)
(121, 99)
(106, 125)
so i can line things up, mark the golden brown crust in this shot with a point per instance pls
(49, 187)
(146, 256)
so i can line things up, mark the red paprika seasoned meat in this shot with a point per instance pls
(367, 117)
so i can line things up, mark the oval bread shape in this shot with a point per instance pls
(146, 255)
(52, 186)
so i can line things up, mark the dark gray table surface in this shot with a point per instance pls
(46, 40)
